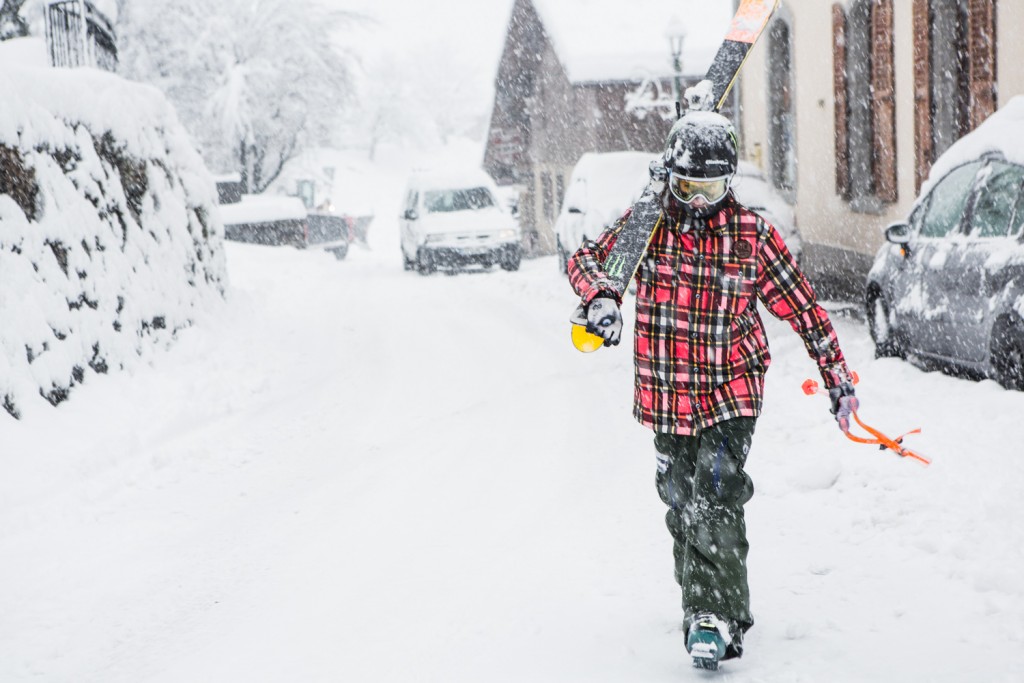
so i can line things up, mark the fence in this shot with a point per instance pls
(78, 34)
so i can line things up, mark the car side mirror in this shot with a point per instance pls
(574, 209)
(898, 233)
(411, 215)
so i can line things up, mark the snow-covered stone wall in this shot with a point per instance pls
(110, 240)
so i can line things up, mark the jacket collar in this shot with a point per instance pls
(714, 223)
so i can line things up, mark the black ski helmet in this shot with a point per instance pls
(701, 145)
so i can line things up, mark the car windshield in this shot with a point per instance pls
(441, 201)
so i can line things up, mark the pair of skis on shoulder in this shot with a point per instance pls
(631, 244)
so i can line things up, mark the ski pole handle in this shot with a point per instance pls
(811, 387)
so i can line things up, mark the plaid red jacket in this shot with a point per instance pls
(700, 348)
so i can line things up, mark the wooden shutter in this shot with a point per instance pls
(924, 147)
(839, 94)
(883, 100)
(981, 50)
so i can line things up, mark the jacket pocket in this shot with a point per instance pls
(733, 289)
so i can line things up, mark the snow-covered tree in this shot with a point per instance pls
(255, 81)
(12, 23)
(404, 101)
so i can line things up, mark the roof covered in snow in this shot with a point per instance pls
(604, 40)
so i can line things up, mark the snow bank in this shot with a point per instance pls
(23, 52)
(109, 239)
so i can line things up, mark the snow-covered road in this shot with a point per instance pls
(352, 473)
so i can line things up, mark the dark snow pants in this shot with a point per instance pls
(701, 479)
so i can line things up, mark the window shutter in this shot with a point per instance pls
(981, 48)
(883, 100)
(839, 94)
(922, 93)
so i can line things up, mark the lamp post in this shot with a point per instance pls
(676, 34)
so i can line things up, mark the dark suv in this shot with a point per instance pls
(949, 285)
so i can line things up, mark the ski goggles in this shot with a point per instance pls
(687, 189)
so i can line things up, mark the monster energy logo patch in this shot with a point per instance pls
(615, 266)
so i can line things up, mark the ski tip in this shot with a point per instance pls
(750, 20)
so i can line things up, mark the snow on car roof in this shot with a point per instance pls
(614, 180)
(1001, 132)
(262, 209)
(614, 40)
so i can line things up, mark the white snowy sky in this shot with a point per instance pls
(471, 31)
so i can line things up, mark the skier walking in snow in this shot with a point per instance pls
(700, 355)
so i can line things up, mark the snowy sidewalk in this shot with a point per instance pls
(353, 473)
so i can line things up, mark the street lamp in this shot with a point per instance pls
(676, 34)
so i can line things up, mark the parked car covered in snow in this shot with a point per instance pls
(949, 283)
(601, 187)
(455, 219)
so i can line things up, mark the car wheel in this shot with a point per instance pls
(425, 264)
(883, 335)
(340, 252)
(1007, 351)
(513, 257)
(563, 258)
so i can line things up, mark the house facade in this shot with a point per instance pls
(552, 105)
(846, 104)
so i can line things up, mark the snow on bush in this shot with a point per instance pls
(109, 236)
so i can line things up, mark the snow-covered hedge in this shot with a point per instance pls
(109, 236)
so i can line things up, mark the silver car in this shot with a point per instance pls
(949, 284)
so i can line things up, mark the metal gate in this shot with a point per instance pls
(78, 34)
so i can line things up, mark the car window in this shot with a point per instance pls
(917, 216)
(576, 197)
(947, 201)
(1017, 218)
(998, 190)
(441, 201)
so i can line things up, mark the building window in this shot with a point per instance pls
(782, 122)
(948, 73)
(865, 117)
(954, 74)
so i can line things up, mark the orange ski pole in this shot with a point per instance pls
(810, 387)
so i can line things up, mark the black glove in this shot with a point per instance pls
(605, 320)
(844, 402)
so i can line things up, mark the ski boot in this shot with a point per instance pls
(706, 641)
